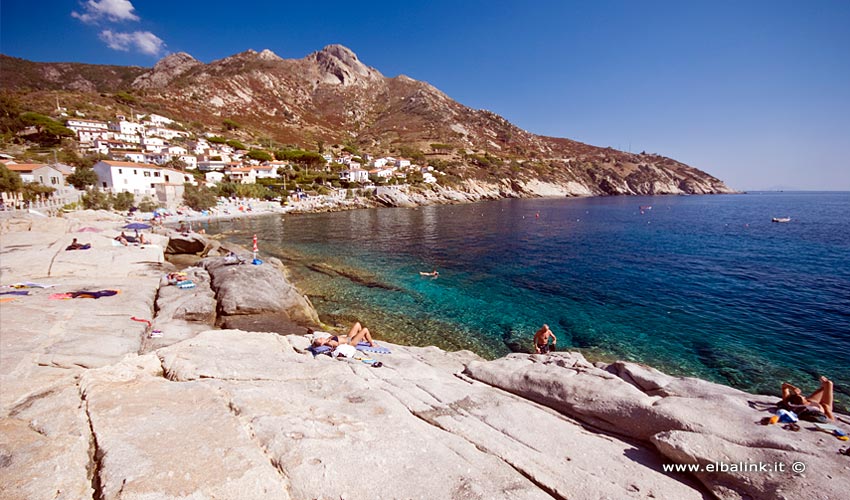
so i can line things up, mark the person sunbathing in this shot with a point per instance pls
(816, 408)
(356, 335)
(122, 238)
(77, 246)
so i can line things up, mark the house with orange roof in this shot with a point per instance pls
(38, 172)
(242, 175)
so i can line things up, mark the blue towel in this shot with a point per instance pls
(322, 349)
(365, 347)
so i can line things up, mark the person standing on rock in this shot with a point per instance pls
(541, 340)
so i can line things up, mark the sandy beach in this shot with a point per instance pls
(158, 391)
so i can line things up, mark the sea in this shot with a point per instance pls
(705, 286)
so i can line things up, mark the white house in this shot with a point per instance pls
(354, 175)
(156, 120)
(105, 146)
(383, 173)
(428, 178)
(38, 172)
(213, 177)
(242, 175)
(77, 124)
(402, 163)
(133, 156)
(153, 144)
(190, 160)
(199, 147)
(131, 138)
(137, 178)
(125, 127)
(176, 150)
(379, 162)
(211, 165)
(265, 171)
(165, 133)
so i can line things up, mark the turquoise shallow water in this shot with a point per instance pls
(696, 285)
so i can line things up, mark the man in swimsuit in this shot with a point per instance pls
(541, 340)
(820, 402)
(355, 336)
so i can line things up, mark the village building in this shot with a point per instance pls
(213, 178)
(133, 156)
(354, 175)
(38, 173)
(265, 171)
(242, 175)
(124, 127)
(165, 133)
(137, 178)
(155, 120)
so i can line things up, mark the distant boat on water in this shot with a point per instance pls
(781, 219)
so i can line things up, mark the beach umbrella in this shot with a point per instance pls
(137, 225)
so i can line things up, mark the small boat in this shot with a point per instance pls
(433, 274)
(781, 219)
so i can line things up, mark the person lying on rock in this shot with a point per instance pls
(541, 340)
(77, 246)
(815, 408)
(356, 335)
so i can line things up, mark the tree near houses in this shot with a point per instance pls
(176, 164)
(48, 131)
(260, 155)
(82, 178)
(10, 182)
(198, 197)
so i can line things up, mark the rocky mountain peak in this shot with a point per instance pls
(339, 65)
(166, 70)
(268, 55)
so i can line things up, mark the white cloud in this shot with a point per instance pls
(114, 10)
(141, 41)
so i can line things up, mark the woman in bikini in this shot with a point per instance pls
(356, 335)
(817, 407)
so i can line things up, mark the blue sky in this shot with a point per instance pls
(756, 93)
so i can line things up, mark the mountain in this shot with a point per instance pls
(331, 97)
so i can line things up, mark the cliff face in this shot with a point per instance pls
(332, 97)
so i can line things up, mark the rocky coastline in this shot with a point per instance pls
(160, 392)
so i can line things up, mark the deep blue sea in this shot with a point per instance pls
(705, 286)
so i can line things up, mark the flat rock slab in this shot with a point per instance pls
(157, 439)
(690, 421)
(231, 355)
(41, 339)
(44, 452)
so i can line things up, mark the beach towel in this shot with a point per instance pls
(29, 284)
(7, 299)
(24, 292)
(322, 349)
(365, 347)
(85, 294)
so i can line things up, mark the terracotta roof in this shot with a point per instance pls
(112, 163)
(25, 167)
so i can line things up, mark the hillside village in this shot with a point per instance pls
(152, 156)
